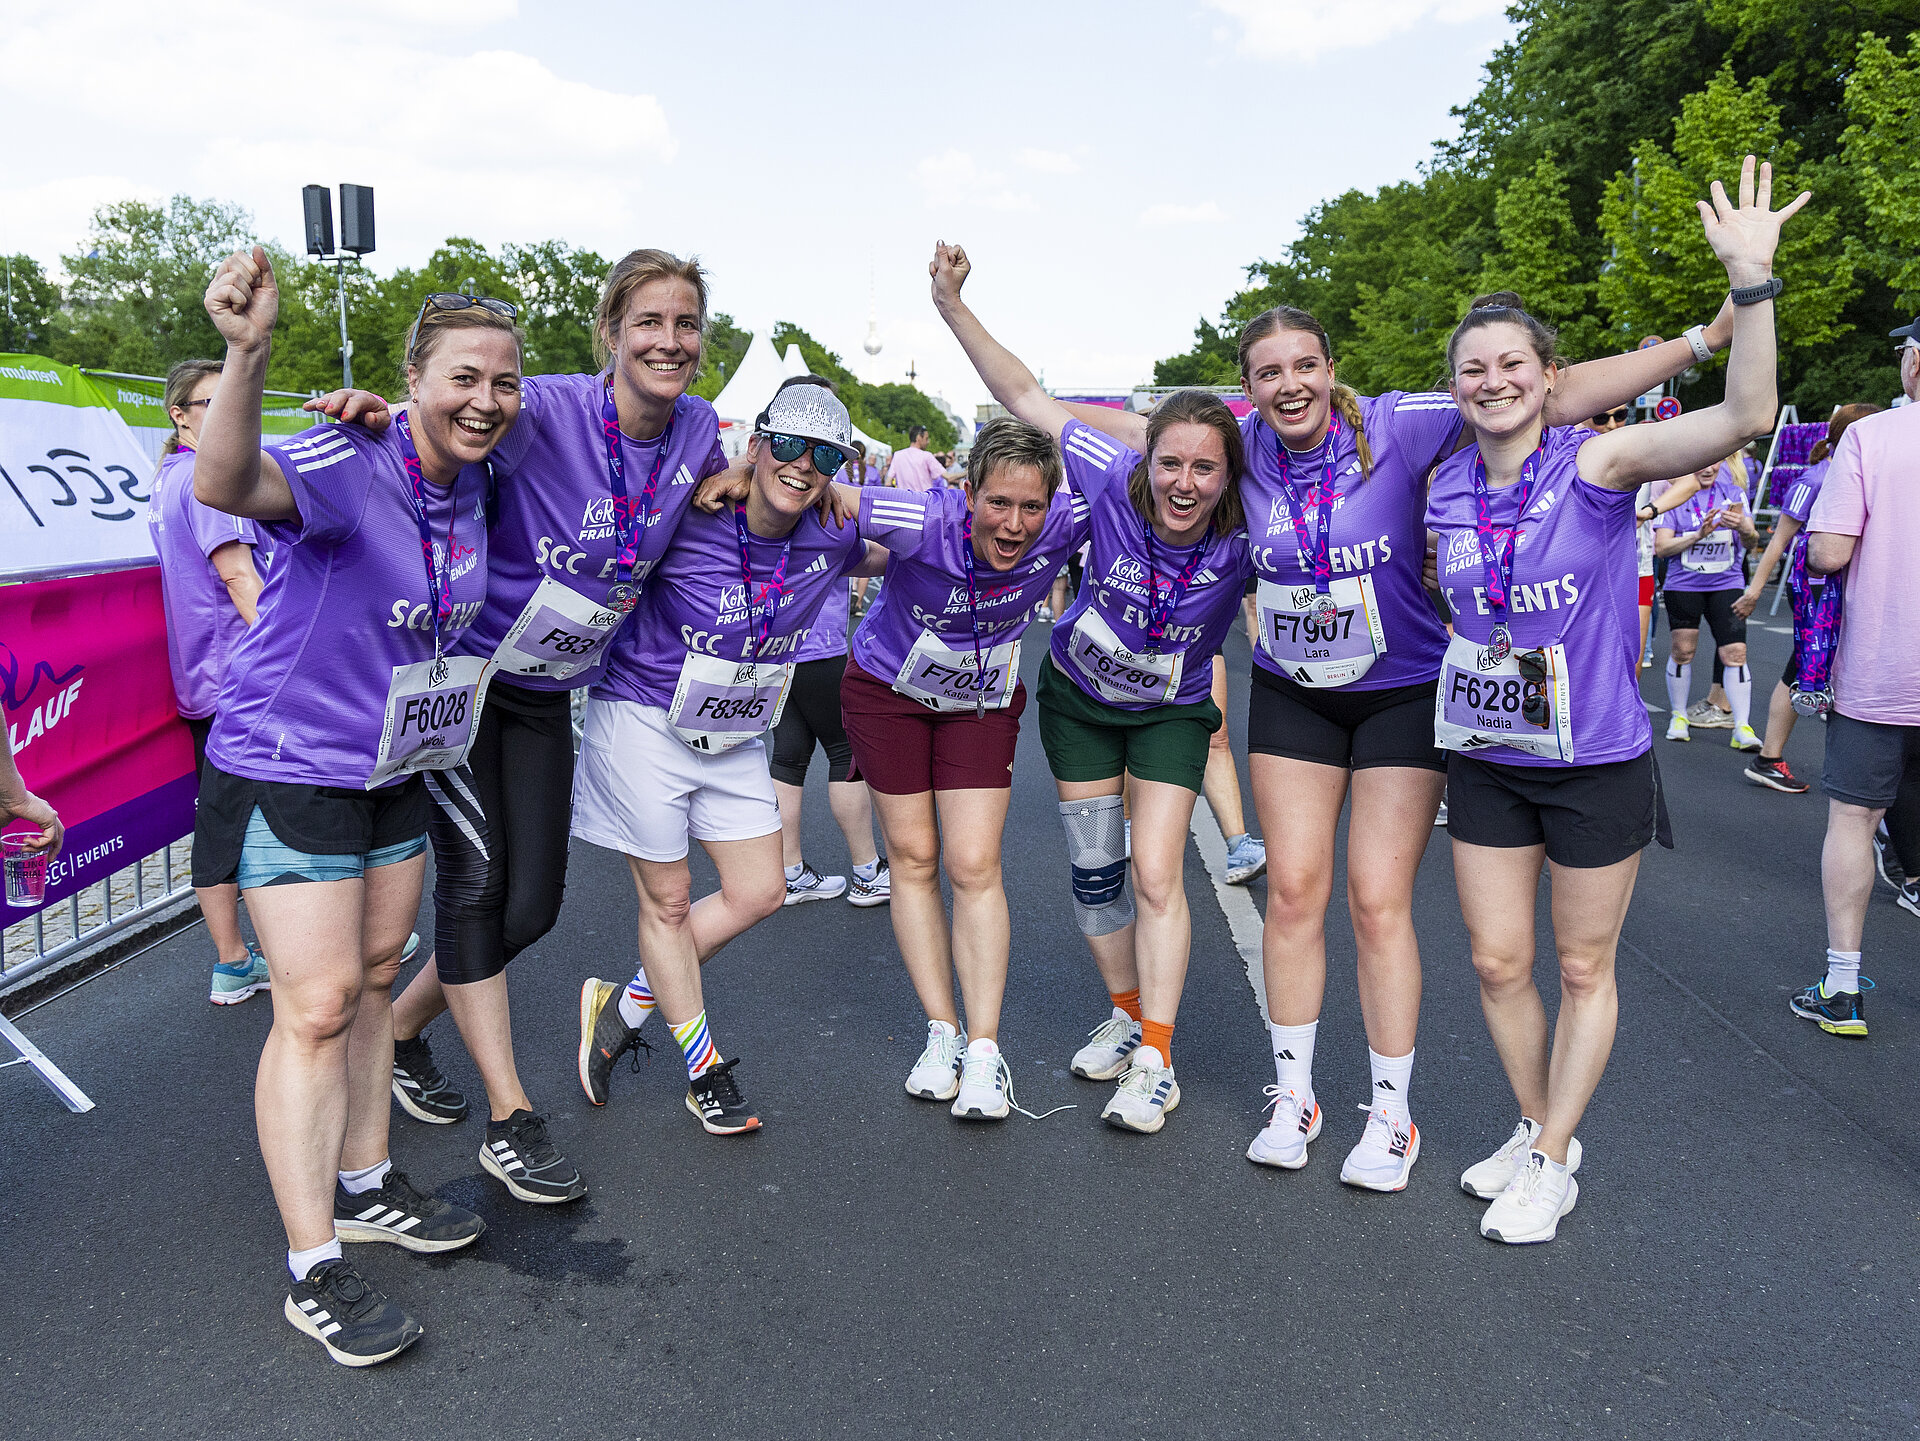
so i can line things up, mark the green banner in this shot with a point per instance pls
(140, 401)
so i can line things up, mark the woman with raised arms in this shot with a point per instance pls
(346, 690)
(1549, 748)
(1127, 689)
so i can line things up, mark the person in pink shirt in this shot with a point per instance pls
(916, 468)
(1867, 522)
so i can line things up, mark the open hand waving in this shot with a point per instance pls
(1745, 236)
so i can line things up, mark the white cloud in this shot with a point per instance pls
(1308, 29)
(1205, 213)
(954, 179)
(1048, 162)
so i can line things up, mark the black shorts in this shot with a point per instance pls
(1341, 726)
(1867, 761)
(317, 820)
(812, 716)
(1586, 816)
(1687, 608)
(199, 727)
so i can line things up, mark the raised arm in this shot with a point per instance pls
(1595, 386)
(230, 471)
(1126, 426)
(1007, 379)
(1744, 237)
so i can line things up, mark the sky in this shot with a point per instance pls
(1111, 166)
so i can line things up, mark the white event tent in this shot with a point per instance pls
(761, 370)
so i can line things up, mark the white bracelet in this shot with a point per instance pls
(1696, 336)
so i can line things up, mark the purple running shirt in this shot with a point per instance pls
(1801, 495)
(203, 626)
(1712, 563)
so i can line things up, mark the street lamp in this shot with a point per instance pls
(356, 238)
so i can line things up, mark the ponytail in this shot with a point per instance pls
(1837, 427)
(1346, 401)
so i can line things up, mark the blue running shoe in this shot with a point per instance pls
(1246, 858)
(234, 984)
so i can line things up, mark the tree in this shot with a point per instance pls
(883, 411)
(1880, 146)
(720, 355)
(559, 290)
(32, 311)
(1539, 257)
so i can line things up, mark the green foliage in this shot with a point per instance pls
(31, 316)
(726, 344)
(1539, 256)
(1882, 148)
(882, 411)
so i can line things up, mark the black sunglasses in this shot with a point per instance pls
(447, 300)
(1533, 700)
(827, 459)
(1612, 417)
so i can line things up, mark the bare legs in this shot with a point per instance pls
(1222, 783)
(678, 934)
(220, 909)
(852, 810)
(1846, 871)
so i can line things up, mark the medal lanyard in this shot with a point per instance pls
(439, 582)
(628, 530)
(1497, 546)
(1316, 545)
(1159, 613)
(775, 587)
(973, 605)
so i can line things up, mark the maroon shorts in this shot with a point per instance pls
(901, 748)
(1646, 590)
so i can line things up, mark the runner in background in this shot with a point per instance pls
(1896, 846)
(1769, 768)
(1705, 534)
(341, 695)
(916, 469)
(1246, 853)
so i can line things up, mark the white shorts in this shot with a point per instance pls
(641, 790)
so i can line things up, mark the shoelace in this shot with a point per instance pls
(422, 1067)
(632, 1049)
(1377, 1117)
(530, 1140)
(999, 1061)
(1143, 1086)
(1277, 1094)
(399, 1190)
(1111, 1031)
(721, 1085)
(346, 1287)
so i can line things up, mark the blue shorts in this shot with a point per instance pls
(266, 860)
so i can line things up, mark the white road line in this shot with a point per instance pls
(1242, 917)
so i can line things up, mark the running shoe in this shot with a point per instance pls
(1246, 858)
(714, 1097)
(876, 892)
(1530, 1209)
(936, 1075)
(1146, 1093)
(1709, 717)
(357, 1324)
(1775, 775)
(421, 1090)
(1284, 1141)
(1384, 1158)
(234, 984)
(397, 1211)
(984, 1084)
(605, 1037)
(1677, 729)
(1909, 897)
(519, 1156)
(1744, 739)
(1108, 1048)
(1886, 859)
(1487, 1179)
(1838, 1014)
(812, 886)
(1440, 816)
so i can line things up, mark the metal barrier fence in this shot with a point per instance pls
(130, 897)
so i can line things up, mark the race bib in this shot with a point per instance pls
(720, 704)
(560, 634)
(433, 709)
(1318, 652)
(1487, 703)
(954, 680)
(1710, 554)
(1118, 673)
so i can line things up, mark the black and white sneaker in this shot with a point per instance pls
(605, 1037)
(714, 1096)
(810, 885)
(394, 1211)
(421, 1090)
(357, 1324)
(519, 1155)
(876, 892)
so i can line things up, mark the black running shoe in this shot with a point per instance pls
(421, 1090)
(1775, 775)
(357, 1324)
(605, 1037)
(394, 1211)
(715, 1098)
(521, 1157)
(1839, 1014)
(1886, 859)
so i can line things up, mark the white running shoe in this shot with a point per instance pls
(936, 1075)
(984, 1084)
(1284, 1141)
(1530, 1208)
(1147, 1092)
(1105, 1055)
(1677, 729)
(1744, 739)
(876, 892)
(812, 886)
(1487, 1179)
(1386, 1153)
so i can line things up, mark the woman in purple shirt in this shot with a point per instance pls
(1549, 748)
(1705, 538)
(342, 695)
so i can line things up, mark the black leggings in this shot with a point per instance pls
(812, 714)
(499, 831)
(1903, 823)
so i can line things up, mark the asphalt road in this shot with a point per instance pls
(1742, 1259)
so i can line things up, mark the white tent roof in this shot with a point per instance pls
(753, 384)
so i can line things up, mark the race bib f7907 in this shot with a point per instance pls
(1318, 650)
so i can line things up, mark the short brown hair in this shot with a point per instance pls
(633, 270)
(1345, 399)
(1194, 407)
(1011, 441)
(424, 338)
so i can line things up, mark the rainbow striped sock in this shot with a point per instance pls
(637, 1004)
(696, 1043)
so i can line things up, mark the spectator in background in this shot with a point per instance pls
(916, 468)
(1867, 522)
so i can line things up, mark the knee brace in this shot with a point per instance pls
(1097, 852)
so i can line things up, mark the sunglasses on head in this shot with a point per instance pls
(1533, 701)
(1612, 417)
(827, 459)
(447, 300)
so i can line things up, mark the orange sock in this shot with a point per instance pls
(1160, 1037)
(1128, 1001)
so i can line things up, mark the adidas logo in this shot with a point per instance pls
(1383, 1085)
(819, 564)
(1283, 1055)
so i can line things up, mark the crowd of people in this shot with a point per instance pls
(1450, 595)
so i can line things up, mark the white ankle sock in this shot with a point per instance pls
(983, 1046)
(299, 1263)
(947, 1029)
(1679, 682)
(1392, 1080)
(869, 870)
(795, 872)
(1739, 688)
(636, 1002)
(1293, 1059)
(1843, 971)
(355, 1182)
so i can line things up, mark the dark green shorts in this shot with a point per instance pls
(1087, 740)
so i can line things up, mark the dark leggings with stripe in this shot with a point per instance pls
(499, 833)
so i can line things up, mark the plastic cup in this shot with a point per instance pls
(26, 869)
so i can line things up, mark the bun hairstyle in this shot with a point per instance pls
(1822, 448)
(182, 381)
(1503, 307)
(633, 270)
(1345, 400)
(427, 331)
(1194, 407)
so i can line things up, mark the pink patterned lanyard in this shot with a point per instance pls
(1497, 546)
(1159, 613)
(1316, 543)
(764, 605)
(439, 580)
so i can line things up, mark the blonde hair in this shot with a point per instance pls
(1345, 399)
(182, 381)
(633, 270)
(1194, 407)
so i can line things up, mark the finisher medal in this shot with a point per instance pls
(1499, 644)
(623, 596)
(1325, 609)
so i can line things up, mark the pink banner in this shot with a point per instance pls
(89, 707)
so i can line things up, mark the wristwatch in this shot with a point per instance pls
(1754, 294)
(1696, 336)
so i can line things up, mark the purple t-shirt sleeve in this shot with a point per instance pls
(215, 528)
(896, 519)
(536, 404)
(330, 470)
(1094, 461)
(715, 462)
(1842, 506)
(1426, 426)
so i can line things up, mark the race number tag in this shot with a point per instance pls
(560, 634)
(1709, 555)
(1118, 673)
(1483, 702)
(720, 704)
(1317, 651)
(953, 680)
(433, 709)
